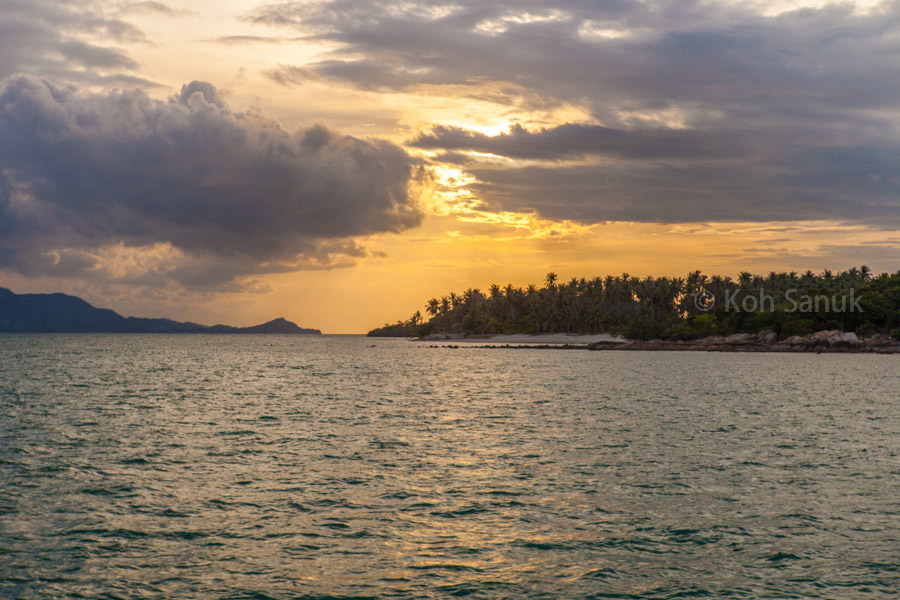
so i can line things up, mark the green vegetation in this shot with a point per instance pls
(669, 308)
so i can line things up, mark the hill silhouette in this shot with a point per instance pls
(61, 313)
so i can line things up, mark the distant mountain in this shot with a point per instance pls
(61, 313)
(278, 325)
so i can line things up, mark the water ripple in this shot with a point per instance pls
(336, 467)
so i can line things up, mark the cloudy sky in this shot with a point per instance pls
(340, 162)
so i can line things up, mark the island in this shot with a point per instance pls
(846, 311)
(61, 313)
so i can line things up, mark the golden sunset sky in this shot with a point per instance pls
(338, 163)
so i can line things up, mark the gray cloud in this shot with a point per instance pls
(95, 56)
(68, 41)
(232, 191)
(669, 53)
(708, 110)
(571, 140)
(236, 40)
(677, 175)
(287, 75)
(660, 193)
(673, 192)
(151, 7)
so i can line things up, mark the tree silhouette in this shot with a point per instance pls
(663, 307)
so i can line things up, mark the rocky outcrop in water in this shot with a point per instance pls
(767, 341)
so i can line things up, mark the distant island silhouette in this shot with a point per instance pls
(61, 313)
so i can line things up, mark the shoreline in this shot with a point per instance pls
(543, 339)
(833, 341)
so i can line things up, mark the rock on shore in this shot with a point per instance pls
(767, 341)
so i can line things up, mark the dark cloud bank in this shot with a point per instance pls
(792, 116)
(233, 191)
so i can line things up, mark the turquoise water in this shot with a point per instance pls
(339, 466)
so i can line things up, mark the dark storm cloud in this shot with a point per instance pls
(234, 192)
(709, 110)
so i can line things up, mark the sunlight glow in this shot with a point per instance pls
(532, 225)
(501, 25)
(602, 31)
(774, 8)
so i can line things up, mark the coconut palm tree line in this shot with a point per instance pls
(664, 307)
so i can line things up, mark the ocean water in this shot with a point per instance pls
(226, 467)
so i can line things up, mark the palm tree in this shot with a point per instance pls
(651, 306)
(434, 307)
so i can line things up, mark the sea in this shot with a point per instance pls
(324, 467)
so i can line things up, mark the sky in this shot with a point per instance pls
(340, 162)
